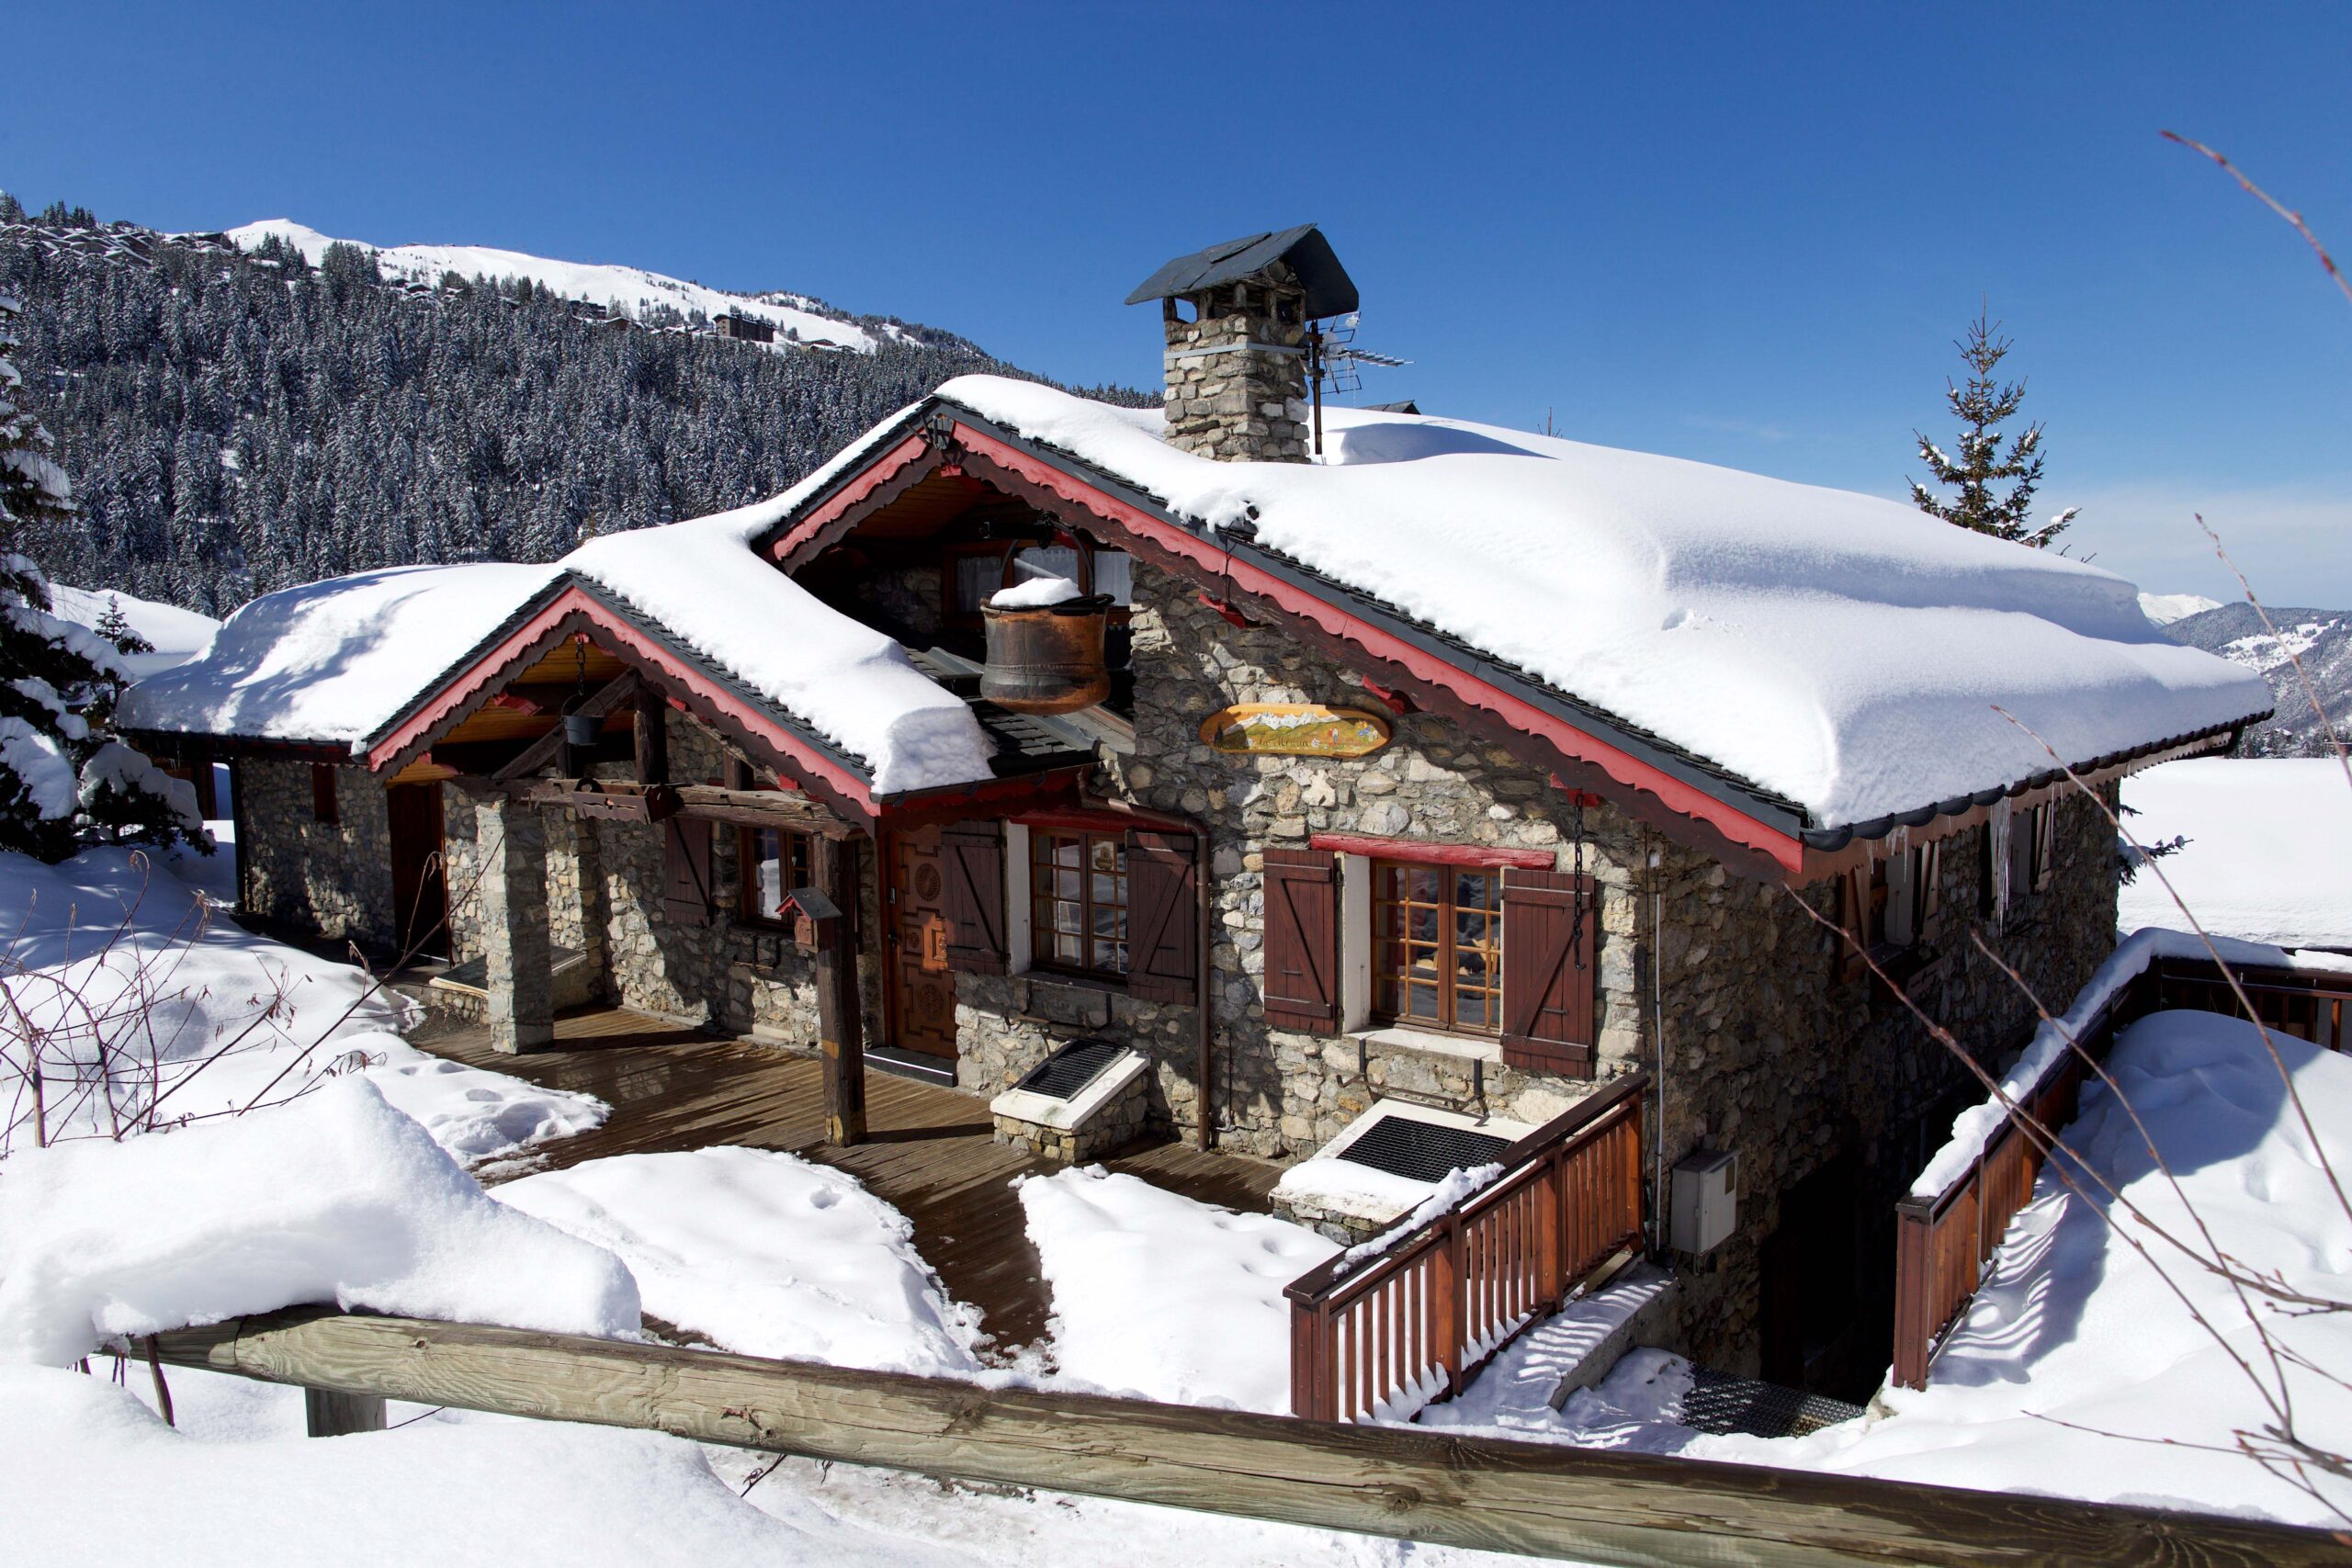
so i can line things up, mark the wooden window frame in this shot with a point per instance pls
(954, 612)
(794, 846)
(1043, 900)
(1385, 946)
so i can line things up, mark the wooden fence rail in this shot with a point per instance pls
(1590, 1505)
(1382, 1335)
(1943, 1242)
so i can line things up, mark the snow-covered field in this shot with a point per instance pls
(178, 635)
(121, 959)
(629, 290)
(2269, 842)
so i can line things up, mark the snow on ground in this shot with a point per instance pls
(1720, 609)
(2268, 839)
(1163, 1297)
(334, 660)
(336, 1197)
(765, 1254)
(111, 947)
(629, 290)
(2076, 1371)
(2163, 609)
(178, 635)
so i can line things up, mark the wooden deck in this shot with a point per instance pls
(930, 1152)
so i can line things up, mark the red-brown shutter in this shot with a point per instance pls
(1929, 925)
(1163, 918)
(1303, 941)
(1551, 971)
(971, 858)
(1853, 924)
(685, 871)
(2045, 844)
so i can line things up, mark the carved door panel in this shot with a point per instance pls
(923, 987)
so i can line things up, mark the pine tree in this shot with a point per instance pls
(1982, 406)
(116, 628)
(61, 776)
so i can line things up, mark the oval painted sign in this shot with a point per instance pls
(1295, 730)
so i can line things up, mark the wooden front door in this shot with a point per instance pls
(420, 892)
(922, 990)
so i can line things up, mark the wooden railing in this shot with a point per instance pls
(1387, 1334)
(1453, 1489)
(1943, 1242)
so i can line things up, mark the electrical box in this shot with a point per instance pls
(1706, 1201)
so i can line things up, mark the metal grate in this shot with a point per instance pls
(1422, 1151)
(1066, 1073)
(1722, 1403)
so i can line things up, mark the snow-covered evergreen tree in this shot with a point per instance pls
(1983, 405)
(61, 778)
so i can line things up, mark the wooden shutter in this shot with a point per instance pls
(1303, 941)
(1854, 916)
(1931, 927)
(322, 802)
(1163, 918)
(2045, 844)
(971, 859)
(1551, 971)
(685, 871)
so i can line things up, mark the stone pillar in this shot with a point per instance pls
(513, 844)
(594, 908)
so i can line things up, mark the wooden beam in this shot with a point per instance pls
(1595, 1506)
(588, 798)
(760, 808)
(653, 739)
(544, 749)
(841, 1034)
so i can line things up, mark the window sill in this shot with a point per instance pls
(1113, 984)
(1430, 1043)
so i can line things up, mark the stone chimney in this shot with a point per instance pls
(1236, 317)
(1237, 369)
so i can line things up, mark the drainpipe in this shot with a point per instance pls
(1658, 1034)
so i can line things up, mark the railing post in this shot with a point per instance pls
(1445, 1297)
(1312, 1375)
(1550, 1240)
(1914, 1242)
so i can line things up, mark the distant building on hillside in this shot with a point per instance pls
(745, 329)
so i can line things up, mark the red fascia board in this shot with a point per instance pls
(1629, 771)
(1414, 850)
(456, 693)
(1103, 819)
(876, 474)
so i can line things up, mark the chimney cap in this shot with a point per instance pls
(1330, 291)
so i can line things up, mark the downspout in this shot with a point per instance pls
(1658, 1034)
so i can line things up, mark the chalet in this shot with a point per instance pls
(1153, 774)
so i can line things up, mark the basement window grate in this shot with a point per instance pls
(1422, 1151)
(1065, 1074)
(1722, 1403)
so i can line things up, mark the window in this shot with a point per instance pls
(1078, 896)
(775, 861)
(322, 805)
(1437, 946)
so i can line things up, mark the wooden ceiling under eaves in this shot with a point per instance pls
(525, 709)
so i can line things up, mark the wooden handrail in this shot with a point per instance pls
(1595, 1506)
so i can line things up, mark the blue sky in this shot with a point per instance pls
(1743, 234)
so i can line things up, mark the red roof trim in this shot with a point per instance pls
(1733, 824)
(878, 472)
(1425, 854)
(465, 691)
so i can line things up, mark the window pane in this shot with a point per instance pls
(767, 875)
(977, 577)
(1069, 949)
(1422, 1003)
(1470, 1010)
(1424, 885)
(1474, 890)
(1107, 889)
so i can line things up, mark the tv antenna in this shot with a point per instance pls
(1332, 355)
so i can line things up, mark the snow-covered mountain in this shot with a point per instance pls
(798, 320)
(2165, 608)
(2322, 639)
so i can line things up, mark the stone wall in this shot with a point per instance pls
(604, 884)
(333, 879)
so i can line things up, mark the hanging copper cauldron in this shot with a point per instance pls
(1048, 657)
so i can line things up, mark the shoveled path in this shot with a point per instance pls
(929, 1152)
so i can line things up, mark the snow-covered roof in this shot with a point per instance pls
(332, 661)
(1840, 651)
(342, 661)
(178, 635)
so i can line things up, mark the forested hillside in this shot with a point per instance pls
(235, 424)
(2321, 639)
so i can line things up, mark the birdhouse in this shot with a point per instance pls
(812, 914)
(1044, 640)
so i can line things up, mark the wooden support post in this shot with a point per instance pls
(331, 1414)
(840, 1030)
